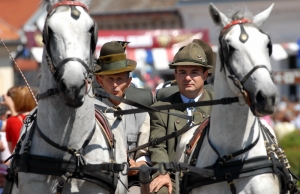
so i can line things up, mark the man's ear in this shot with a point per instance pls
(205, 74)
(99, 80)
(129, 81)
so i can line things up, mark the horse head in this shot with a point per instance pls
(244, 51)
(70, 37)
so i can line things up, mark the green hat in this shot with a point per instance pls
(197, 53)
(112, 60)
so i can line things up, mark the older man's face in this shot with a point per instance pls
(190, 80)
(115, 84)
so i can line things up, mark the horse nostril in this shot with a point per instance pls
(62, 85)
(273, 99)
(259, 97)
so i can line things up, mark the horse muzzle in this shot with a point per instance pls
(263, 104)
(73, 93)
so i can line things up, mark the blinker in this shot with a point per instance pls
(74, 12)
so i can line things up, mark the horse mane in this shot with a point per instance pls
(49, 3)
(240, 13)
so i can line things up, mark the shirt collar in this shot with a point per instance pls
(186, 100)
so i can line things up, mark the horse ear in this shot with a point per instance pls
(261, 17)
(218, 17)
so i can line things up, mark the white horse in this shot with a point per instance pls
(66, 128)
(244, 71)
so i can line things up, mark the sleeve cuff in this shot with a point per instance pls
(144, 158)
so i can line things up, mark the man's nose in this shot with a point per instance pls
(188, 77)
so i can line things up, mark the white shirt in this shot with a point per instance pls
(186, 100)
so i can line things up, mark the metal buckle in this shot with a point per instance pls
(201, 116)
(241, 95)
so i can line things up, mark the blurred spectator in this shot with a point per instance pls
(3, 172)
(3, 116)
(285, 126)
(20, 102)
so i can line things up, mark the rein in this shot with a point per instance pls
(144, 108)
(23, 76)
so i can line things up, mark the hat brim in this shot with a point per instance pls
(188, 63)
(130, 67)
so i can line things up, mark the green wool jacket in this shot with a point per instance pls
(163, 124)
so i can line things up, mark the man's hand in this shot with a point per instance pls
(160, 181)
(134, 164)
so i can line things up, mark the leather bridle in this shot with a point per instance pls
(225, 54)
(54, 68)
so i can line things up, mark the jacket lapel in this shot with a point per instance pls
(178, 121)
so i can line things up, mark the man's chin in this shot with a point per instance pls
(189, 89)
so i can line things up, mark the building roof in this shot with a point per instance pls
(17, 12)
(130, 6)
(7, 32)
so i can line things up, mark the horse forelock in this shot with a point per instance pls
(49, 3)
(240, 13)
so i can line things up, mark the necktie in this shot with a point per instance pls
(190, 109)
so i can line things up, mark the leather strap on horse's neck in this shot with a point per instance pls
(197, 134)
(72, 151)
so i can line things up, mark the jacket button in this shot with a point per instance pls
(177, 121)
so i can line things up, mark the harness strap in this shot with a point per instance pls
(197, 134)
(62, 182)
(272, 147)
(164, 138)
(57, 166)
(230, 171)
(230, 182)
(106, 127)
(50, 92)
(179, 106)
(221, 161)
(100, 92)
(68, 169)
(71, 151)
(250, 72)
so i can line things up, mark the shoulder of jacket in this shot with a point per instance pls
(168, 100)
(210, 93)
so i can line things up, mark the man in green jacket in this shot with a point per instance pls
(191, 64)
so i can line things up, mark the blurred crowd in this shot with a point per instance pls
(286, 117)
(15, 105)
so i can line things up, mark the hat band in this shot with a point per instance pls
(201, 61)
(112, 58)
(114, 65)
